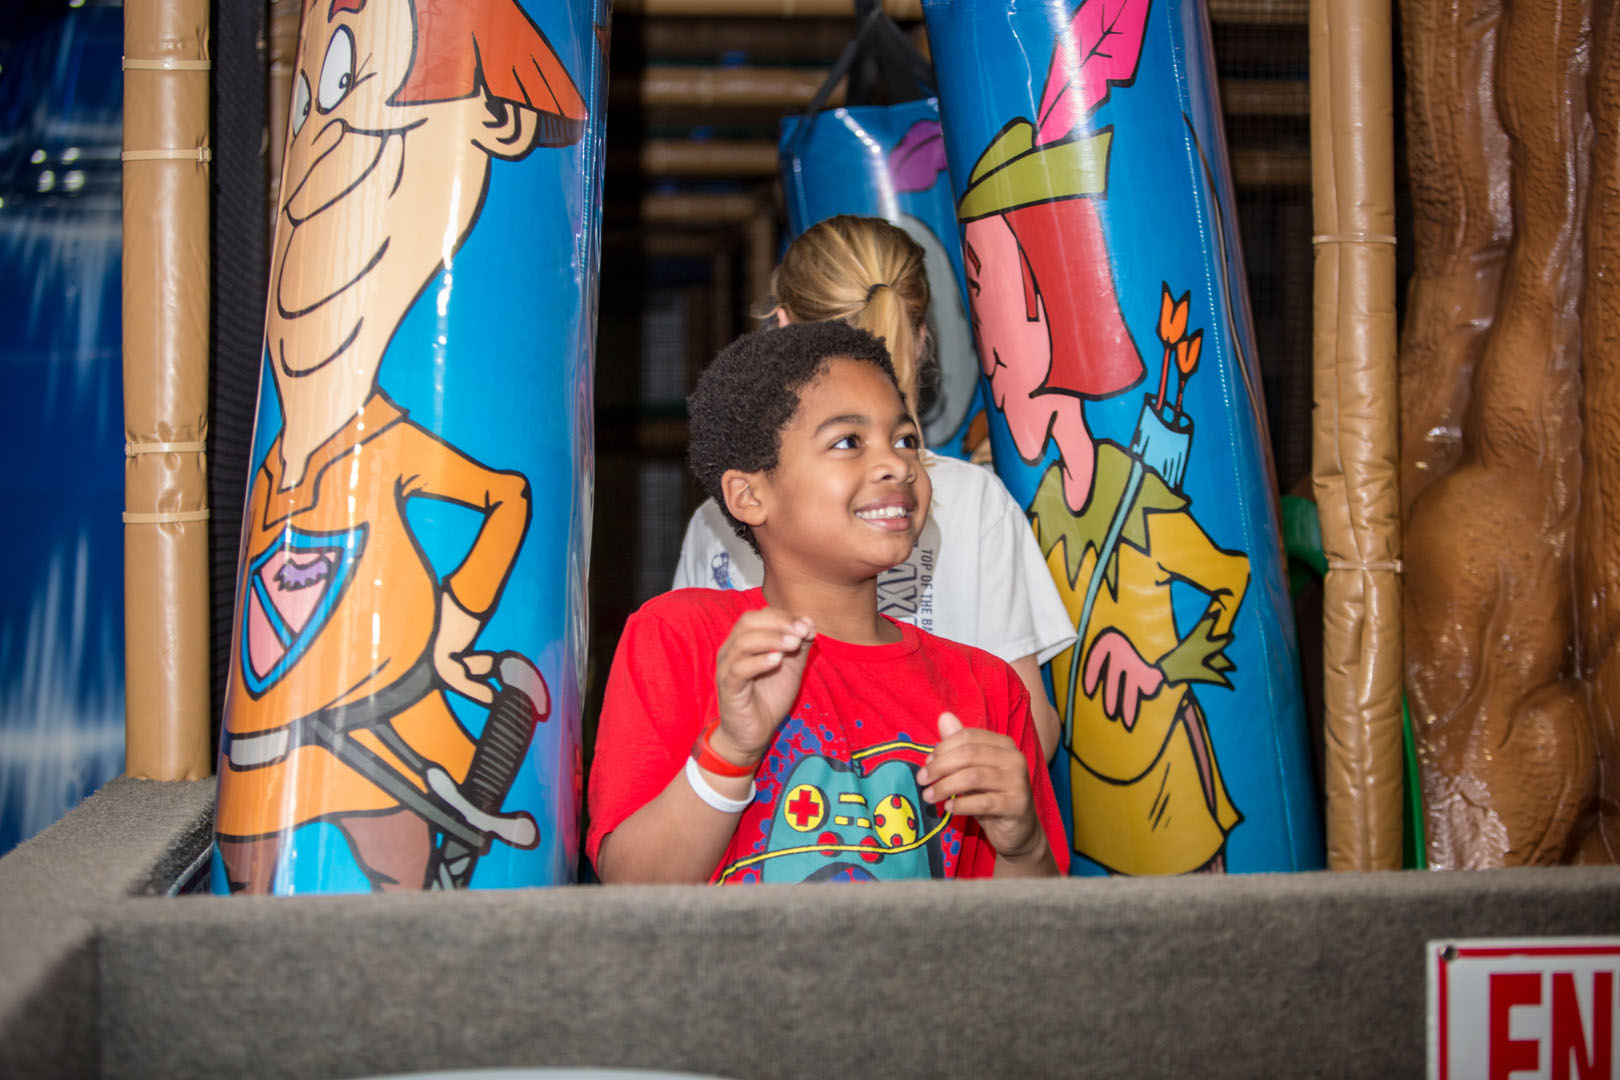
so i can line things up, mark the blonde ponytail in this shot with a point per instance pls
(885, 316)
(863, 271)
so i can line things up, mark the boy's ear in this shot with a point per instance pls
(742, 492)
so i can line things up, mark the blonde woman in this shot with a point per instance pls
(976, 575)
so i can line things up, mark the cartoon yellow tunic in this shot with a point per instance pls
(1148, 796)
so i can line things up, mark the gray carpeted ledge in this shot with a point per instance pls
(131, 838)
(1243, 976)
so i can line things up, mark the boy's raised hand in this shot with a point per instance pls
(985, 775)
(756, 678)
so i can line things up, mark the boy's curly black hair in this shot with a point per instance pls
(750, 393)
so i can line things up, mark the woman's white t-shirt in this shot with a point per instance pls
(976, 575)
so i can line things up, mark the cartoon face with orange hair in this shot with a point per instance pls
(398, 108)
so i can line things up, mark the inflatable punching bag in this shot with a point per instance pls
(1112, 326)
(403, 703)
(888, 161)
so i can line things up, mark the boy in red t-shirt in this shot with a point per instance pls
(790, 732)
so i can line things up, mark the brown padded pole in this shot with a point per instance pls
(706, 157)
(734, 87)
(776, 88)
(1252, 167)
(1356, 428)
(165, 306)
(692, 209)
(761, 252)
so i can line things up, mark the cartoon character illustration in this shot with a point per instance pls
(861, 820)
(1116, 529)
(346, 641)
(916, 164)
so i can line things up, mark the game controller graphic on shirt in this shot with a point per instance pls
(836, 821)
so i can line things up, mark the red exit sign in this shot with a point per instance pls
(1524, 1008)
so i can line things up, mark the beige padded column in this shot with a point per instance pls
(1356, 428)
(165, 306)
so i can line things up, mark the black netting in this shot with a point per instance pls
(1261, 55)
(240, 257)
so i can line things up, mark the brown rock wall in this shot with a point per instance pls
(1458, 164)
(1504, 741)
(1597, 563)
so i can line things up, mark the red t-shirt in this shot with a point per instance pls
(838, 797)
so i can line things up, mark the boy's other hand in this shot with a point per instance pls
(985, 775)
(756, 677)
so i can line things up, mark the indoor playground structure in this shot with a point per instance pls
(1290, 325)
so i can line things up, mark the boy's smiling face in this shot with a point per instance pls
(849, 496)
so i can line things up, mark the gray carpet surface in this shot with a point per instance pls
(1253, 976)
(1296, 975)
(131, 838)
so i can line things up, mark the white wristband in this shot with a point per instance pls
(700, 785)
